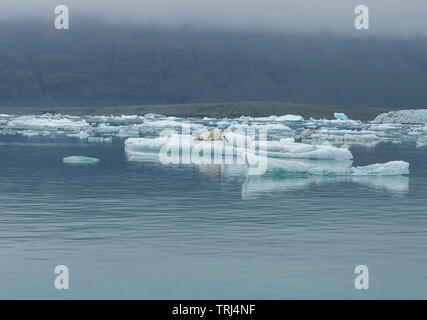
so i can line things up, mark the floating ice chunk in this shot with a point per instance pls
(403, 116)
(31, 133)
(338, 137)
(340, 116)
(82, 135)
(321, 152)
(153, 116)
(290, 118)
(47, 121)
(385, 126)
(166, 123)
(80, 160)
(392, 168)
(100, 139)
(309, 167)
(288, 148)
(176, 144)
(260, 126)
(337, 167)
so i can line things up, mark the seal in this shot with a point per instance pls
(211, 135)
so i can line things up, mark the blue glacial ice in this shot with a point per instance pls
(340, 116)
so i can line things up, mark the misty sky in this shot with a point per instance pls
(389, 17)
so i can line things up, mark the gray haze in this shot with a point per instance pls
(388, 17)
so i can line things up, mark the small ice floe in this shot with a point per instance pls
(271, 127)
(391, 168)
(340, 116)
(285, 118)
(100, 140)
(80, 160)
(362, 137)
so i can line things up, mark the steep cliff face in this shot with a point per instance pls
(96, 64)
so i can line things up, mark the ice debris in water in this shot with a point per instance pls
(80, 160)
(391, 168)
(313, 132)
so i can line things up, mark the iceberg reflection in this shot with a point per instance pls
(258, 186)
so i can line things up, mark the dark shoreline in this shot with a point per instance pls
(214, 110)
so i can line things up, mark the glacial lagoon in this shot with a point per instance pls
(130, 226)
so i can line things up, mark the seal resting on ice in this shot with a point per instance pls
(210, 135)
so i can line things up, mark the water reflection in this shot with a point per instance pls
(258, 186)
(293, 174)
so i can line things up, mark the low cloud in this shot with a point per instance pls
(387, 17)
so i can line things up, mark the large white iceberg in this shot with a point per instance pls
(234, 143)
(403, 116)
(343, 167)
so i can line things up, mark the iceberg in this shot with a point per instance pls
(260, 126)
(334, 168)
(234, 143)
(80, 160)
(288, 148)
(305, 167)
(288, 118)
(391, 168)
(341, 136)
(417, 116)
(47, 122)
(340, 116)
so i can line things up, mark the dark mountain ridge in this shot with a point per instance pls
(97, 64)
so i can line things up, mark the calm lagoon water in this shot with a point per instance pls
(143, 230)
